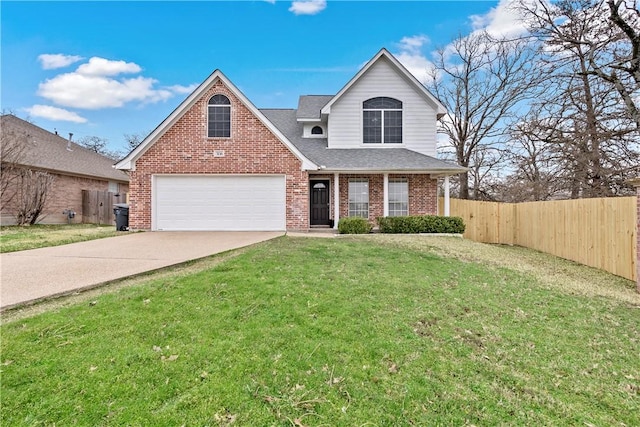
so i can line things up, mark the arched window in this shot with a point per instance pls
(316, 130)
(219, 117)
(382, 121)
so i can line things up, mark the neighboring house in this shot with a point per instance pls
(219, 163)
(74, 168)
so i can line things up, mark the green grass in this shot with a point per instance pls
(328, 332)
(20, 238)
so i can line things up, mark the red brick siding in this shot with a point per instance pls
(186, 149)
(422, 194)
(65, 193)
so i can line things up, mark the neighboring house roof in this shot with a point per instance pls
(355, 159)
(384, 53)
(309, 107)
(51, 152)
(129, 161)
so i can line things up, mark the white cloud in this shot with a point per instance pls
(412, 58)
(50, 61)
(55, 114)
(504, 20)
(413, 44)
(95, 85)
(96, 92)
(307, 7)
(183, 90)
(105, 67)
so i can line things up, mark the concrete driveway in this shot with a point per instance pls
(27, 276)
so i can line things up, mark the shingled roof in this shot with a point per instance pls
(51, 152)
(309, 106)
(355, 159)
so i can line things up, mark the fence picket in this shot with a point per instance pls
(600, 233)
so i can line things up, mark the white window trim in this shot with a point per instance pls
(230, 106)
(382, 110)
(388, 199)
(359, 180)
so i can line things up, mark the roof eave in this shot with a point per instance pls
(426, 171)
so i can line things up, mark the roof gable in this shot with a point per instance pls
(128, 163)
(402, 72)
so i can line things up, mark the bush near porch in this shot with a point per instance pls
(354, 225)
(421, 224)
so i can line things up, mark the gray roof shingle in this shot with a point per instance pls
(355, 159)
(309, 106)
(49, 151)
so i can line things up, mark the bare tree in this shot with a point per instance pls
(100, 146)
(579, 118)
(132, 140)
(605, 33)
(13, 147)
(625, 59)
(481, 81)
(31, 196)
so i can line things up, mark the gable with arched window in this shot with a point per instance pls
(382, 121)
(219, 122)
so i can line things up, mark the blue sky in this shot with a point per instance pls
(114, 68)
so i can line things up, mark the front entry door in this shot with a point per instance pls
(320, 202)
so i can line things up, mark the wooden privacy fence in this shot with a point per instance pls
(599, 233)
(97, 206)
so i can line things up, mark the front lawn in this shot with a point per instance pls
(329, 332)
(20, 238)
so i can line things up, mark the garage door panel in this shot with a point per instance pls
(220, 202)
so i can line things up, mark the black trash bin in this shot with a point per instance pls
(121, 211)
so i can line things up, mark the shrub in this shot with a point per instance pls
(354, 225)
(421, 224)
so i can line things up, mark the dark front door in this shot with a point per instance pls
(320, 202)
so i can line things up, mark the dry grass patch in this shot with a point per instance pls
(551, 271)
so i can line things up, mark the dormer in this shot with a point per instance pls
(314, 123)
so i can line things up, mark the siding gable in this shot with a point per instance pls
(383, 79)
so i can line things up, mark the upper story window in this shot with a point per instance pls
(219, 117)
(382, 121)
(316, 130)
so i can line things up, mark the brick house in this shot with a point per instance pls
(74, 168)
(219, 163)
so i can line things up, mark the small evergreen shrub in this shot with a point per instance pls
(354, 225)
(421, 224)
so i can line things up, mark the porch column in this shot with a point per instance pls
(446, 195)
(336, 199)
(385, 193)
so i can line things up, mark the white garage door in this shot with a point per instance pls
(234, 203)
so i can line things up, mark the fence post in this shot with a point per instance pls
(636, 183)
